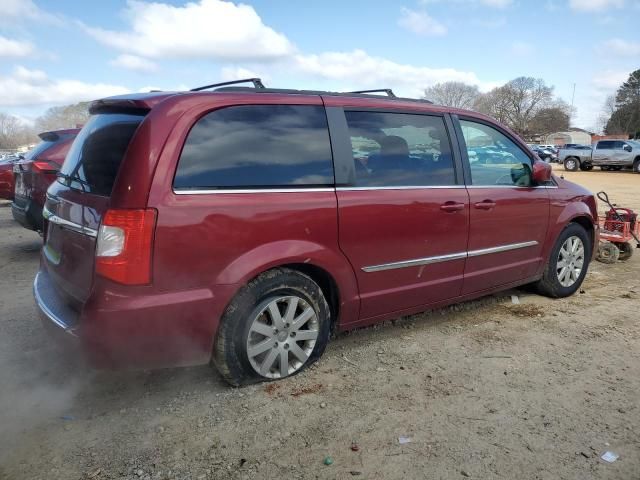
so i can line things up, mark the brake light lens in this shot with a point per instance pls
(45, 166)
(125, 244)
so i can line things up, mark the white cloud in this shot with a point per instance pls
(522, 49)
(420, 23)
(595, 5)
(17, 9)
(486, 3)
(609, 79)
(132, 62)
(204, 29)
(26, 87)
(14, 48)
(620, 47)
(357, 69)
(496, 22)
(590, 98)
(496, 3)
(239, 73)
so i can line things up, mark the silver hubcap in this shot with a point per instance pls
(571, 164)
(570, 261)
(282, 336)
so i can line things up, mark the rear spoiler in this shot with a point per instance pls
(134, 103)
(49, 136)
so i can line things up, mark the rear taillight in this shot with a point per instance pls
(45, 166)
(125, 243)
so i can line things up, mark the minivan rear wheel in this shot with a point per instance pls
(275, 327)
(568, 263)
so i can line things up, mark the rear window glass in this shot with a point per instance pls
(44, 145)
(257, 146)
(94, 159)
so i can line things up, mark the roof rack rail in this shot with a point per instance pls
(388, 91)
(257, 84)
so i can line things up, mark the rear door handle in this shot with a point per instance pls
(485, 205)
(451, 207)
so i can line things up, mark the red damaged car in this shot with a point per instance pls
(34, 172)
(244, 225)
(6, 177)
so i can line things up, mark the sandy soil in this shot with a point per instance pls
(486, 389)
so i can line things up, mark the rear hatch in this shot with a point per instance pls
(35, 171)
(77, 200)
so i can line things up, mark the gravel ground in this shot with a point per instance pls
(485, 389)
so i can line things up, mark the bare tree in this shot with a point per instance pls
(554, 118)
(452, 94)
(13, 133)
(526, 95)
(68, 116)
(608, 109)
(494, 103)
(517, 103)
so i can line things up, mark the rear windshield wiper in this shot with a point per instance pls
(73, 178)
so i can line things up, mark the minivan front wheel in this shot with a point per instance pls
(567, 264)
(275, 327)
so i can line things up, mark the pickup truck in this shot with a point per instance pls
(606, 154)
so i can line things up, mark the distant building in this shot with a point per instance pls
(579, 136)
(573, 135)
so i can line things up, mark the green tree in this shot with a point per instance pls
(626, 116)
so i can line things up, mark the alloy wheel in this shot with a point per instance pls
(282, 336)
(570, 261)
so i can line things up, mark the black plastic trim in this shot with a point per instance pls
(454, 140)
(343, 166)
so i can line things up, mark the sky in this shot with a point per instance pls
(63, 51)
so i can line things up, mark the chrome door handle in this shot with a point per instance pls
(485, 205)
(451, 207)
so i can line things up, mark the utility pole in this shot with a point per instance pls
(573, 96)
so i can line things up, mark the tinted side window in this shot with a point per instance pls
(494, 158)
(94, 159)
(618, 145)
(397, 149)
(257, 146)
(604, 145)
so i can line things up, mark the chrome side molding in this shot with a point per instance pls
(61, 222)
(449, 257)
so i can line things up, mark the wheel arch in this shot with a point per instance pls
(586, 223)
(325, 281)
(327, 267)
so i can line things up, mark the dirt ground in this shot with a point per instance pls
(486, 389)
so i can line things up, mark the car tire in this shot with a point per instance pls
(257, 334)
(636, 165)
(608, 253)
(586, 167)
(559, 283)
(626, 251)
(571, 164)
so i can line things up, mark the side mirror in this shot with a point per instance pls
(627, 148)
(541, 172)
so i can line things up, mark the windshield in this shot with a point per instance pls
(95, 156)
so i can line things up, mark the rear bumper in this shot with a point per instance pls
(58, 319)
(123, 327)
(29, 216)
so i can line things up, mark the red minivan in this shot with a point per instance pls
(244, 225)
(34, 172)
